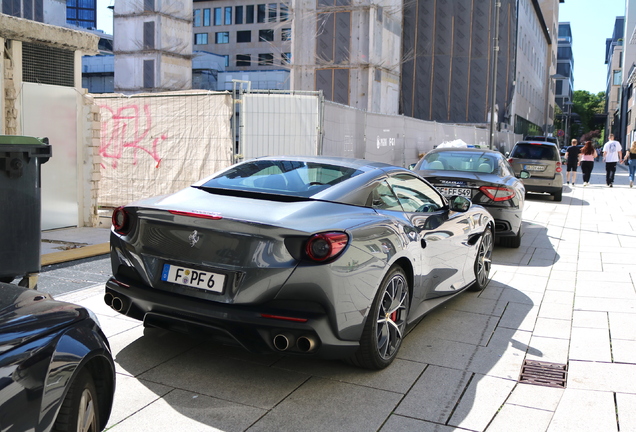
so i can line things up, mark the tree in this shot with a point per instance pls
(584, 109)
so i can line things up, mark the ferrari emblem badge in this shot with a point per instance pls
(194, 238)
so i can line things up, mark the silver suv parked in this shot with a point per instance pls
(543, 161)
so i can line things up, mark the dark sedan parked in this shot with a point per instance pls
(56, 368)
(311, 256)
(484, 176)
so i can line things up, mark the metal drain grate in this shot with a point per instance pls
(544, 374)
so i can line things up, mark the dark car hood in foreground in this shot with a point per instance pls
(27, 314)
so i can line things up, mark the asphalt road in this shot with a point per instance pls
(75, 275)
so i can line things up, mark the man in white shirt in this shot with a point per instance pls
(612, 153)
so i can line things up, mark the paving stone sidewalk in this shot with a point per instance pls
(566, 296)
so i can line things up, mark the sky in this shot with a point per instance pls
(592, 22)
(105, 16)
(588, 36)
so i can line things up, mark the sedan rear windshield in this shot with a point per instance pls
(534, 151)
(281, 177)
(478, 162)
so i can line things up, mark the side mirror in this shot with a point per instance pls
(524, 174)
(507, 154)
(459, 204)
(412, 166)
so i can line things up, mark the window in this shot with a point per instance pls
(285, 34)
(260, 18)
(149, 73)
(218, 16)
(265, 59)
(228, 15)
(149, 35)
(227, 60)
(196, 20)
(414, 195)
(201, 39)
(206, 17)
(238, 15)
(272, 12)
(249, 14)
(222, 37)
(617, 77)
(243, 60)
(266, 35)
(244, 36)
(149, 5)
(284, 12)
(382, 198)
(286, 58)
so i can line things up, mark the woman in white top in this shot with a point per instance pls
(586, 161)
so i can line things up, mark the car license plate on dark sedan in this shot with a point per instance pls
(193, 278)
(451, 191)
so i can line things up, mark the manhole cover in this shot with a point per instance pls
(544, 374)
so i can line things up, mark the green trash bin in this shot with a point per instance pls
(21, 227)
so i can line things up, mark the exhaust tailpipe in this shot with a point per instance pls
(283, 341)
(306, 343)
(117, 304)
(108, 299)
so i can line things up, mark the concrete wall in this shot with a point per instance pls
(13, 33)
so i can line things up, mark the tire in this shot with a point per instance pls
(483, 261)
(558, 196)
(79, 411)
(512, 242)
(385, 327)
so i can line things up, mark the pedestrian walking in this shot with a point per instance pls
(630, 158)
(612, 153)
(572, 161)
(586, 160)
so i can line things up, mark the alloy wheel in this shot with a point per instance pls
(391, 321)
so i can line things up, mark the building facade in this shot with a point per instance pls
(449, 67)
(530, 107)
(251, 34)
(614, 83)
(152, 44)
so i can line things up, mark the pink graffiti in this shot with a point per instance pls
(128, 128)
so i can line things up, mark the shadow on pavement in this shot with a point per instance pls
(474, 344)
(537, 249)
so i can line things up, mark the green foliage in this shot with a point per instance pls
(585, 106)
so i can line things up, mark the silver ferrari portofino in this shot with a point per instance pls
(317, 256)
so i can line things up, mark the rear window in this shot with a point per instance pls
(460, 161)
(534, 151)
(281, 177)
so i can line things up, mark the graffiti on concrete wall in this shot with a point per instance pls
(129, 127)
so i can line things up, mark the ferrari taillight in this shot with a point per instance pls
(325, 246)
(496, 193)
(120, 221)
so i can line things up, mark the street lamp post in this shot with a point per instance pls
(493, 90)
(566, 129)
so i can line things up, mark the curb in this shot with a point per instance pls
(75, 254)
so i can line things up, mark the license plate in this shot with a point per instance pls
(534, 167)
(193, 278)
(449, 191)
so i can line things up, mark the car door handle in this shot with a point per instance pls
(423, 243)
